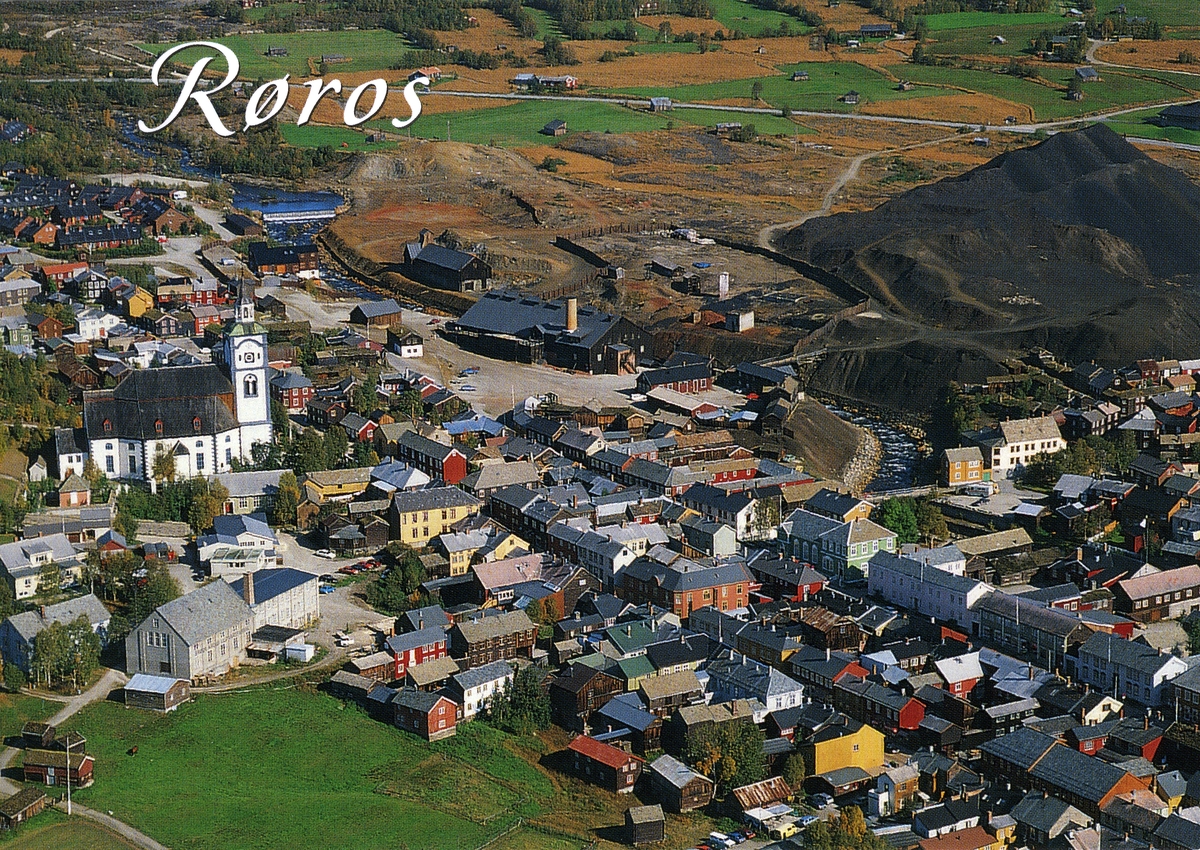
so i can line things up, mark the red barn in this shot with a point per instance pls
(413, 648)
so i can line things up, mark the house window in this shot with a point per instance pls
(108, 464)
(107, 426)
(158, 426)
(199, 461)
(196, 424)
(251, 386)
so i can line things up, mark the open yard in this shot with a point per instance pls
(315, 135)
(52, 831)
(16, 709)
(284, 768)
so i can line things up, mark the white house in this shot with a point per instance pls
(202, 416)
(280, 597)
(477, 686)
(241, 530)
(927, 590)
(734, 676)
(948, 558)
(604, 558)
(95, 324)
(1010, 446)
(1126, 669)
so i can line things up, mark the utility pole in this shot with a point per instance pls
(68, 774)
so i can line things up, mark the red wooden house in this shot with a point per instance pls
(417, 647)
(49, 767)
(604, 765)
(433, 716)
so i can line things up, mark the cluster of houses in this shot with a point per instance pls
(66, 216)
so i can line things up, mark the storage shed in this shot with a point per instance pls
(157, 693)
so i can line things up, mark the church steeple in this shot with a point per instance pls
(245, 302)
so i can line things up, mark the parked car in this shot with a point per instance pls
(329, 578)
(808, 819)
(327, 588)
(327, 554)
(820, 801)
(467, 388)
(348, 570)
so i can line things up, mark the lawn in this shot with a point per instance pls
(369, 50)
(1115, 90)
(827, 82)
(52, 831)
(16, 709)
(285, 768)
(314, 136)
(997, 21)
(740, 15)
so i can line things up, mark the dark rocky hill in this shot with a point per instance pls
(1081, 244)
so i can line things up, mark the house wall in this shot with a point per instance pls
(296, 608)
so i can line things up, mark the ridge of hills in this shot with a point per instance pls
(1081, 244)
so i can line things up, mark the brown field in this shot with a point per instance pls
(12, 57)
(847, 16)
(491, 31)
(968, 108)
(1151, 54)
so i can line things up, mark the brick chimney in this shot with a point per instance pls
(248, 589)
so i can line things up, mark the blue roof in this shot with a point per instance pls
(271, 583)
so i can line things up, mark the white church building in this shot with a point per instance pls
(203, 416)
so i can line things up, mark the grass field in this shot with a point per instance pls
(1134, 124)
(313, 136)
(740, 15)
(52, 831)
(267, 769)
(1048, 104)
(546, 24)
(370, 50)
(1167, 12)
(16, 709)
(827, 82)
(997, 21)
(770, 125)
(519, 124)
(321, 772)
(977, 41)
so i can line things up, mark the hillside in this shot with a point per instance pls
(1081, 244)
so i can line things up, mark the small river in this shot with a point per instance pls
(290, 218)
(897, 467)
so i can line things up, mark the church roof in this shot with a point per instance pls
(158, 404)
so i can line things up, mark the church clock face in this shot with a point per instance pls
(247, 355)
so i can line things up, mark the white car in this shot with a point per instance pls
(325, 553)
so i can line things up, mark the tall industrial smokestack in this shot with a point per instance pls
(572, 314)
(248, 589)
